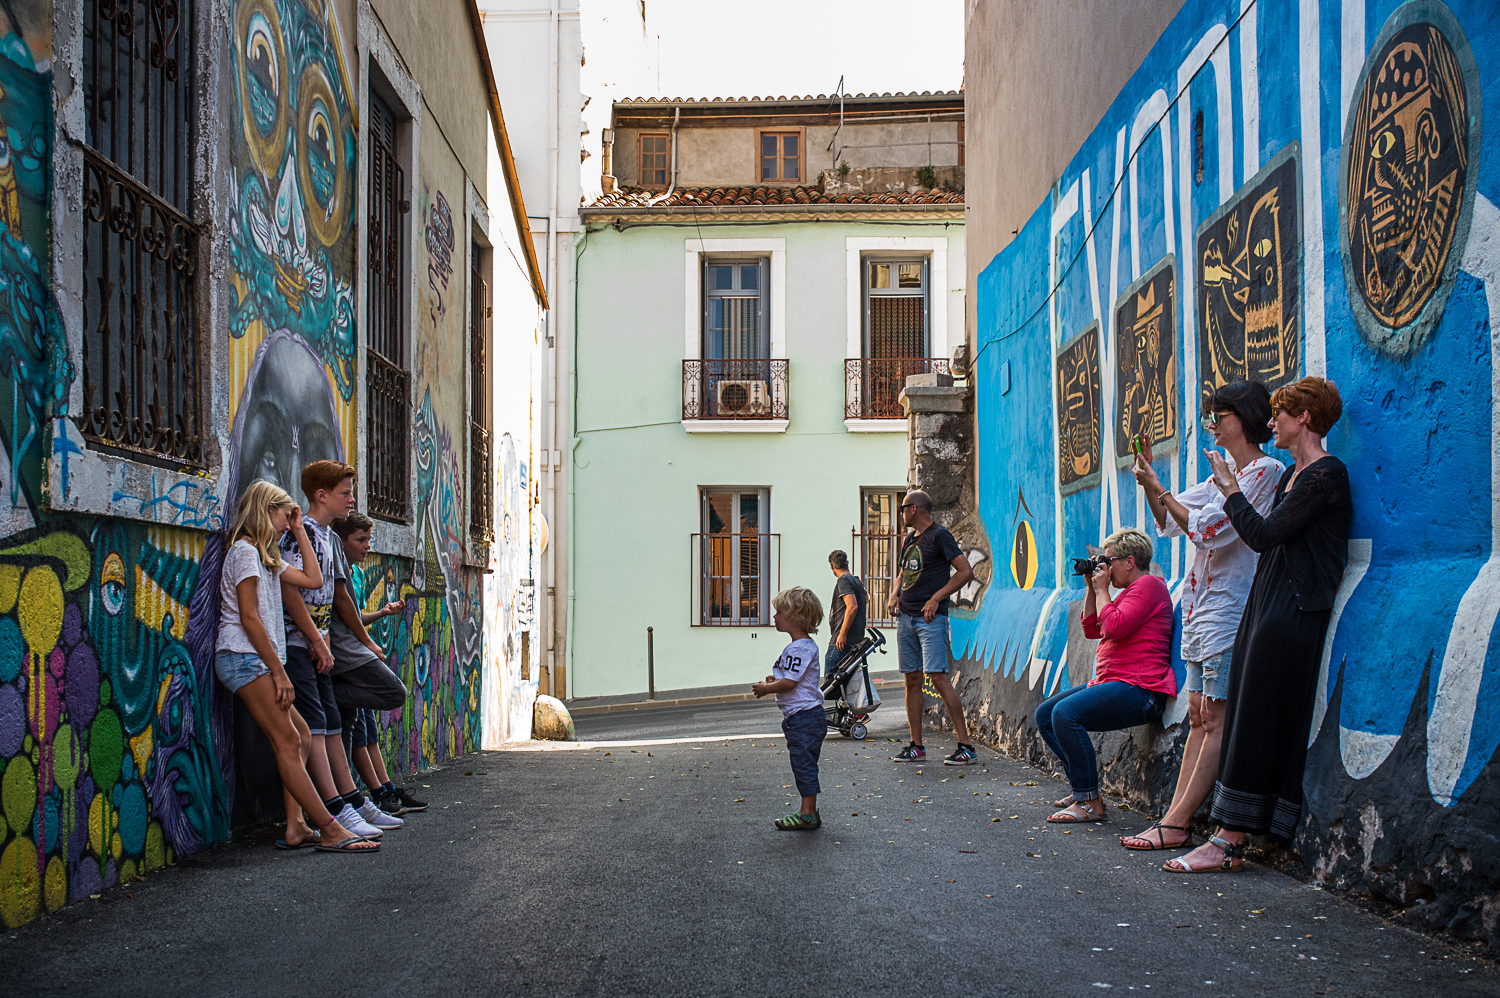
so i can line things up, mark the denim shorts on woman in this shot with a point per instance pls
(237, 668)
(1210, 676)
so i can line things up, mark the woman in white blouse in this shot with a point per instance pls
(1238, 416)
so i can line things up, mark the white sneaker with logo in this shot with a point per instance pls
(375, 816)
(357, 825)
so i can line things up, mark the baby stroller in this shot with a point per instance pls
(849, 688)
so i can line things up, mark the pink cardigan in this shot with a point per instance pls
(1136, 629)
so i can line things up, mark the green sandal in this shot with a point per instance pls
(799, 822)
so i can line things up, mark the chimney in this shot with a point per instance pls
(607, 149)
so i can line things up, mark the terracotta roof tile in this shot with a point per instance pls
(753, 100)
(636, 197)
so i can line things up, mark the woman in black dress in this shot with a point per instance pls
(1302, 544)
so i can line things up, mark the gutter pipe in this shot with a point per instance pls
(676, 117)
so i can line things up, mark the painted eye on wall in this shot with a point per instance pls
(1383, 143)
(321, 155)
(1263, 248)
(112, 584)
(263, 74)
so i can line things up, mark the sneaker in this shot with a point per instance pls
(390, 803)
(408, 801)
(912, 753)
(964, 755)
(372, 813)
(799, 822)
(357, 825)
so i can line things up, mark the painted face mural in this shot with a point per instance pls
(1146, 374)
(1078, 431)
(287, 416)
(1250, 283)
(1407, 185)
(291, 238)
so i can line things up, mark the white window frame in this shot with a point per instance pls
(692, 346)
(938, 305)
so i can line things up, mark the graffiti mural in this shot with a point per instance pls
(1078, 411)
(1249, 256)
(1405, 723)
(292, 242)
(1146, 367)
(107, 727)
(1408, 187)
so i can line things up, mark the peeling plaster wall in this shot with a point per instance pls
(1401, 777)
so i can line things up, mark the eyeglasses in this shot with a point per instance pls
(912, 505)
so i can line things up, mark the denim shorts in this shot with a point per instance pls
(1210, 676)
(922, 646)
(237, 668)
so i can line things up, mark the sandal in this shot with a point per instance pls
(307, 843)
(353, 843)
(1161, 838)
(1067, 801)
(1234, 852)
(1068, 816)
(799, 822)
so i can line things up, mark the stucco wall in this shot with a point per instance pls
(1037, 79)
(1401, 773)
(639, 472)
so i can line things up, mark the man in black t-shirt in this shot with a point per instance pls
(846, 612)
(932, 568)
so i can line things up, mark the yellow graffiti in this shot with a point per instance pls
(20, 896)
(141, 744)
(41, 610)
(10, 586)
(153, 605)
(55, 884)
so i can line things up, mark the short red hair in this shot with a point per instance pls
(1318, 397)
(326, 475)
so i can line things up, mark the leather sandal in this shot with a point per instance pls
(1064, 802)
(1234, 852)
(1161, 838)
(1070, 817)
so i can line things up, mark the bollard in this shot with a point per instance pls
(650, 666)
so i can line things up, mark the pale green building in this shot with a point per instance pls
(747, 313)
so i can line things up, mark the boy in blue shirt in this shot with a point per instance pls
(794, 680)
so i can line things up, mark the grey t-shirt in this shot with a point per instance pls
(847, 585)
(348, 651)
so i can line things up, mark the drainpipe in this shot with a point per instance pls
(551, 279)
(676, 117)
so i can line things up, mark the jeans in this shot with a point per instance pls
(1065, 720)
(805, 731)
(1210, 676)
(922, 646)
(831, 659)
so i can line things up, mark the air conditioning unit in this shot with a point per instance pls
(743, 398)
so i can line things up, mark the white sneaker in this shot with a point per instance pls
(377, 817)
(357, 825)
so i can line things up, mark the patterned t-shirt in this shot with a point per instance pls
(330, 554)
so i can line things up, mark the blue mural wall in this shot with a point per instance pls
(1320, 179)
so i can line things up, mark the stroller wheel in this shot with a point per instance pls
(858, 732)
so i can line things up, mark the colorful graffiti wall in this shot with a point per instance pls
(1317, 180)
(117, 745)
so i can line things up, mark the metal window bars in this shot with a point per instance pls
(387, 382)
(734, 389)
(875, 557)
(735, 575)
(873, 385)
(386, 459)
(481, 483)
(142, 384)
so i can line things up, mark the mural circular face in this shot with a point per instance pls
(1410, 162)
(260, 63)
(320, 156)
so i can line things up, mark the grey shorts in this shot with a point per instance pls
(1210, 676)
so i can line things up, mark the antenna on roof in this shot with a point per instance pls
(835, 143)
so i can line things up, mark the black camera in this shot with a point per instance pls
(1088, 566)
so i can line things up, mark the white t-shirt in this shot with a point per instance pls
(243, 562)
(799, 661)
(1223, 565)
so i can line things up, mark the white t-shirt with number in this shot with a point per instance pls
(243, 562)
(799, 661)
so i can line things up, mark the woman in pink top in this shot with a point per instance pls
(1133, 669)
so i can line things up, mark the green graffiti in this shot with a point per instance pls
(106, 749)
(18, 792)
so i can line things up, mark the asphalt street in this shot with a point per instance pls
(653, 869)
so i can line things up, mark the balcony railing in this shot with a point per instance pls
(875, 556)
(734, 389)
(734, 578)
(872, 385)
